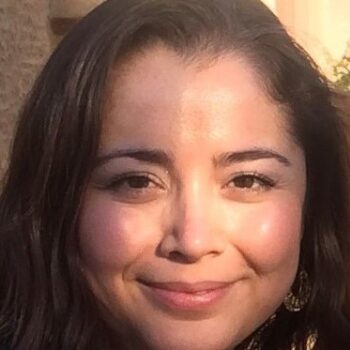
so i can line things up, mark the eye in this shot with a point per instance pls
(135, 182)
(135, 188)
(251, 181)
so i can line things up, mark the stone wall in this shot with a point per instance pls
(24, 46)
(29, 29)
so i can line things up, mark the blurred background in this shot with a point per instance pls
(30, 30)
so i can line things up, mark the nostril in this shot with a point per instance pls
(173, 253)
(180, 258)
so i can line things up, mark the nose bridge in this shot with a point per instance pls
(193, 206)
(194, 231)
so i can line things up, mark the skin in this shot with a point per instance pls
(194, 214)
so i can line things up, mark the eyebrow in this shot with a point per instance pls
(166, 160)
(228, 158)
(152, 156)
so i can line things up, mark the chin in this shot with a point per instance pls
(179, 342)
(190, 336)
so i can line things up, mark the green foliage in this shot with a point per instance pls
(341, 72)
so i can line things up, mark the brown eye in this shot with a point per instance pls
(134, 183)
(137, 182)
(244, 181)
(254, 182)
(136, 188)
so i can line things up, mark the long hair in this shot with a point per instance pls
(45, 302)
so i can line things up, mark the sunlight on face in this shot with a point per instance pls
(191, 225)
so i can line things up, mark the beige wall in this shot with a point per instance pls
(26, 41)
(71, 8)
(24, 46)
(271, 4)
(321, 26)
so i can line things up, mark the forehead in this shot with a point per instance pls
(156, 94)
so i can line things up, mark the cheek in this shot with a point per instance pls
(268, 234)
(113, 235)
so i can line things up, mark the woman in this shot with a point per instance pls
(179, 180)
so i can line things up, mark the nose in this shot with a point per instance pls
(193, 229)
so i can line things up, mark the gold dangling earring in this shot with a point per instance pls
(296, 302)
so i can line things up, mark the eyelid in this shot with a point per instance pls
(267, 181)
(257, 175)
(125, 175)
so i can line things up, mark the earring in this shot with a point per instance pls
(296, 302)
(254, 344)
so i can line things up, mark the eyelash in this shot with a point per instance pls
(264, 182)
(116, 184)
(151, 187)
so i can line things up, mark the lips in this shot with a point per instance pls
(186, 296)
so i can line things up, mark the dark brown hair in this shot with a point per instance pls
(44, 300)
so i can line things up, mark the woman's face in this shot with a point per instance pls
(191, 225)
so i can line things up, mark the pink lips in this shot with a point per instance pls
(188, 296)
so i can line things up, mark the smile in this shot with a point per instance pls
(186, 296)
